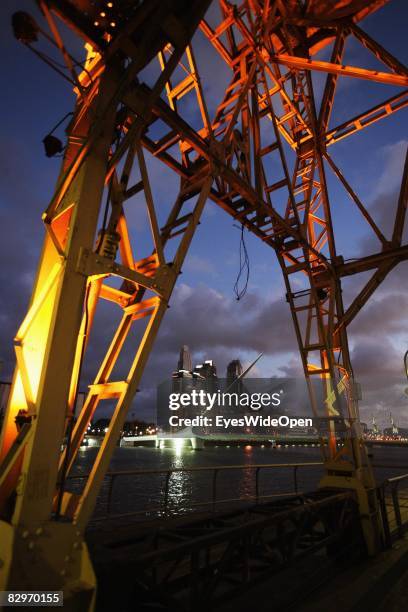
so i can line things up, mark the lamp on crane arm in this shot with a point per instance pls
(53, 145)
(25, 28)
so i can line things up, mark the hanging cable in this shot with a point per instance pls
(109, 194)
(27, 31)
(243, 273)
(55, 63)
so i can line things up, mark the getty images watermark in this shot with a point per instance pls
(271, 407)
(204, 409)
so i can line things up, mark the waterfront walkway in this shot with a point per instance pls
(379, 584)
(178, 558)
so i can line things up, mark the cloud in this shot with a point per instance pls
(207, 318)
(213, 325)
(200, 265)
(393, 156)
(378, 367)
(385, 313)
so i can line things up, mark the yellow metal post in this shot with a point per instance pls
(46, 345)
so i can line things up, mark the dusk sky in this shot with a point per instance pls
(204, 313)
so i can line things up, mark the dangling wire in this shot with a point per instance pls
(243, 274)
(109, 194)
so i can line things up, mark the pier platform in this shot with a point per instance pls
(205, 561)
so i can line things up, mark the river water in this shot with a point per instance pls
(145, 493)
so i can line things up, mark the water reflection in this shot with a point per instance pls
(178, 484)
(179, 444)
(144, 493)
(246, 487)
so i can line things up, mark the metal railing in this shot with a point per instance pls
(393, 499)
(213, 500)
(392, 493)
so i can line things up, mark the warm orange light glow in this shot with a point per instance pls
(32, 343)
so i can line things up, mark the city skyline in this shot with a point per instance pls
(234, 369)
(185, 365)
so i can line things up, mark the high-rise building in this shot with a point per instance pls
(376, 431)
(234, 370)
(206, 375)
(182, 381)
(184, 362)
(394, 428)
(207, 369)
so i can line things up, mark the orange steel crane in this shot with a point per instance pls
(262, 157)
